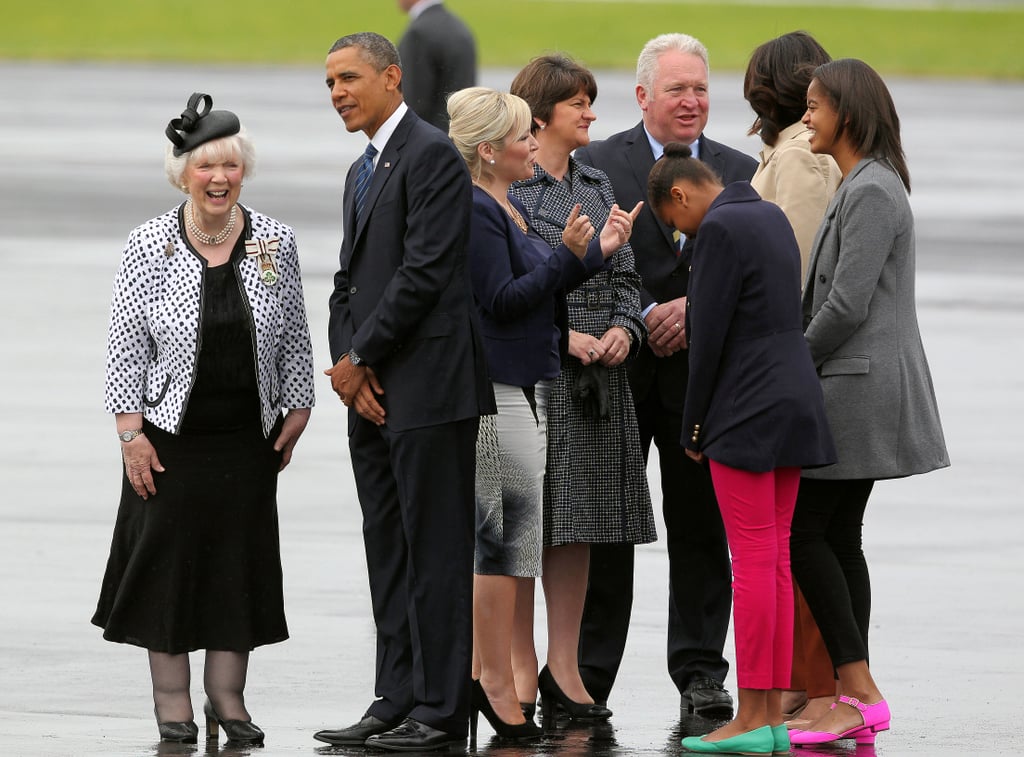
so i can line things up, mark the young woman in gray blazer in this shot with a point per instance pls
(861, 326)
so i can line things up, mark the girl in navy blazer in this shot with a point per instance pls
(519, 284)
(754, 409)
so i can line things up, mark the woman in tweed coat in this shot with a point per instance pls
(595, 489)
(861, 325)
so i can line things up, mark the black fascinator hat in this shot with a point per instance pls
(198, 126)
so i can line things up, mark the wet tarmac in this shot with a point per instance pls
(81, 149)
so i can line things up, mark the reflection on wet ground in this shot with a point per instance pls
(564, 738)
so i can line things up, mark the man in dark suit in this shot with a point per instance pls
(672, 91)
(438, 57)
(409, 364)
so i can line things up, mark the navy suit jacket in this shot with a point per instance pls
(520, 285)
(753, 400)
(627, 159)
(402, 295)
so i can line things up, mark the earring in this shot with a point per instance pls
(491, 161)
(184, 189)
(543, 127)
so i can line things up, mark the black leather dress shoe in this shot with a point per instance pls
(708, 698)
(413, 736)
(354, 735)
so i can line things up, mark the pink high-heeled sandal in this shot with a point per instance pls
(876, 718)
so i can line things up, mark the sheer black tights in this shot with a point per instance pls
(223, 679)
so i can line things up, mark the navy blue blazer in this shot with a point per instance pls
(402, 294)
(627, 159)
(753, 401)
(520, 285)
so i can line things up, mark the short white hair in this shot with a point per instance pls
(236, 146)
(647, 63)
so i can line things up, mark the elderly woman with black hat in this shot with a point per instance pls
(210, 379)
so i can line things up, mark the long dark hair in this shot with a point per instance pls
(776, 82)
(865, 110)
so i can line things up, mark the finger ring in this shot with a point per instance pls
(676, 326)
(591, 353)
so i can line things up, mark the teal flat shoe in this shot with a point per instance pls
(780, 734)
(759, 741)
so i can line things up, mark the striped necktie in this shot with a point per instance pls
(363, 178)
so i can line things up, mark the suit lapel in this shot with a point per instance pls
(641, 160)
(711, 156)
(826, 222)
(387, 161)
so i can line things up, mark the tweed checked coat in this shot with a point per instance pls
(861, 325)
(595, 490)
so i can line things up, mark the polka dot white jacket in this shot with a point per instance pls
(153, 341)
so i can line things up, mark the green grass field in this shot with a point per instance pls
(935, 42)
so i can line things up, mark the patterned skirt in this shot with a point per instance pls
(510, 457)
(595, 490)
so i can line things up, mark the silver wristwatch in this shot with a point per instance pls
(354, 358)
(127, 436)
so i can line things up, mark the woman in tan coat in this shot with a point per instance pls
(802, 184)
(789, 174)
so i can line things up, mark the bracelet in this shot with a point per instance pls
(629, 334)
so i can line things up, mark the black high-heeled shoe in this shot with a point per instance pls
(480, 703)
(552, 695)
(182, 733)
(529, 709)
(237, 731)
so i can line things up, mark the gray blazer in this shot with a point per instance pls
(860, 321)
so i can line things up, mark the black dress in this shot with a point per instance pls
(198, 565)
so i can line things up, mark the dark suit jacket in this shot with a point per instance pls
(520, 285)
(627, 159)
(402, 296)
(753, 400)
(438, 57)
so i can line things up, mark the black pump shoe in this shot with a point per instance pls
(183, 733)
(518, 732)
(237, 731)
(552, 696)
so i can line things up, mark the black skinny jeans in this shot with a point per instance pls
(828, 563)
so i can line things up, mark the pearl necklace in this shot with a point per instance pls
(202, 236)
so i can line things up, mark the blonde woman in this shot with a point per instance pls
(519, 284)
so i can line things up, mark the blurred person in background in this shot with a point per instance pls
(438, 57)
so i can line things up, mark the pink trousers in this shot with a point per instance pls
(757, 509)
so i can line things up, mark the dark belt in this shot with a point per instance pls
(599, 298)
